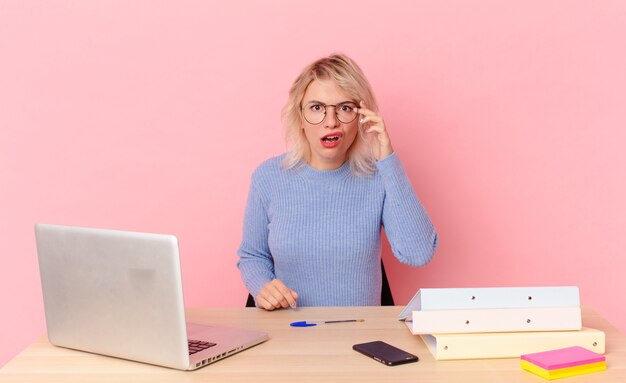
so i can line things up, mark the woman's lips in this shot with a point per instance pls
(331, 140)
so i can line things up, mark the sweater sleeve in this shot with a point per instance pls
(255, 263)
(410, 232)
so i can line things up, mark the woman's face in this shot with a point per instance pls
(330, 139)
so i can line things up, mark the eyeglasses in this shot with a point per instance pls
(315, 112)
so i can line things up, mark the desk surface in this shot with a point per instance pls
(313, 354)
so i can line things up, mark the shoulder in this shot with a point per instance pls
(269, 168)
(269, 173)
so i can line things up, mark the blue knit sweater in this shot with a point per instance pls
(320, 231)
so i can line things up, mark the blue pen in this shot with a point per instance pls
(315, 323)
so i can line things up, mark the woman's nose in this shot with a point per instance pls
(330, 119)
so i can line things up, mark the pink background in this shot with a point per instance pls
(151, 115)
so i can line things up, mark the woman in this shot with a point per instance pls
(312, 226)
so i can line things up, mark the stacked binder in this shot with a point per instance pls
(474, 323)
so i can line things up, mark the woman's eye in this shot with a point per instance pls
(346, 108)
(316, 107)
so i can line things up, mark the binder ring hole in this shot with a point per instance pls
(473, 297)
(466, 322)
(445, 347)
(530, 298)
(527, 320)
(595, 344)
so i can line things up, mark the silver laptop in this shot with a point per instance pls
(120, 294)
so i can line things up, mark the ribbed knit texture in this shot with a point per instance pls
(320, 231)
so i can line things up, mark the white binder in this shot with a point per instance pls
(494, 320)
(492, 298)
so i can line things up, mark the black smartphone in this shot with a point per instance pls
(385, 353)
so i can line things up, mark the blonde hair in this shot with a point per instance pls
(351, 80)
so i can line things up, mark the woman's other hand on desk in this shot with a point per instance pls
(276, 295)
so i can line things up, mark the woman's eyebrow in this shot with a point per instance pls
(323, 103)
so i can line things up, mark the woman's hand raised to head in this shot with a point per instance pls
(275, 295)
(375, 132)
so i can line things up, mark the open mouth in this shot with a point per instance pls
(330, 138)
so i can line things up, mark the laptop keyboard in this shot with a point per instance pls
(198, 345)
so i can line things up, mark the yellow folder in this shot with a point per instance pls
(563, 372)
